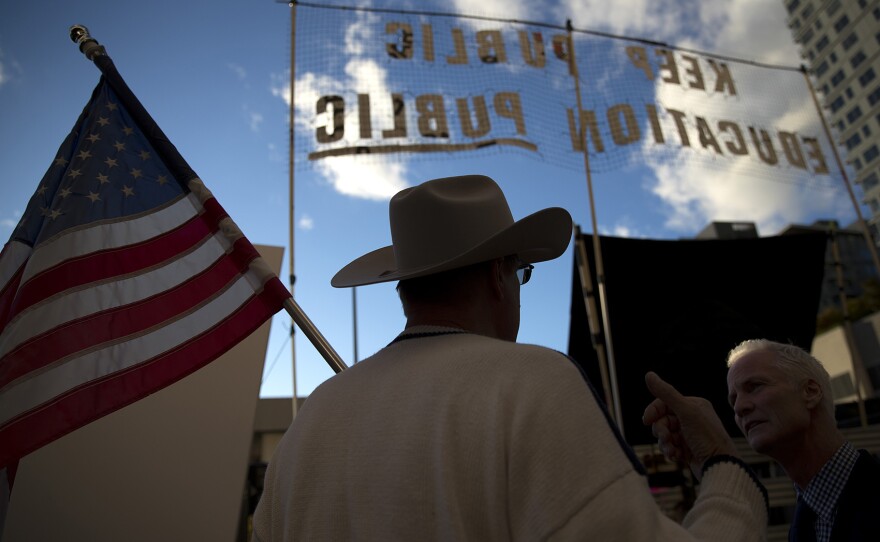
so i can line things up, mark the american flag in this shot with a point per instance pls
(123, 276)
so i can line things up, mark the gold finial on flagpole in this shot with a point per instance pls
(79, 34)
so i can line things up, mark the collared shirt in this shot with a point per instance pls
(823, 491)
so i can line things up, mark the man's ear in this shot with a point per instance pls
(496, 274)
(812, 393)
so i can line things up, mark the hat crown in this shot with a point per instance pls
(440, 219)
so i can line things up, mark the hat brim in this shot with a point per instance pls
(538, 237)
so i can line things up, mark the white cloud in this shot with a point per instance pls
(274, 154)
(740, 188)
(506, 8)
(306, 223)
(239, 71)
(353, 177)
(11, 222)
(349, 176)
(255, 120)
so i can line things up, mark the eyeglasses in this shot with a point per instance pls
(524, 273)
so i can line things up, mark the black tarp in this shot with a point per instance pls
(678, 307)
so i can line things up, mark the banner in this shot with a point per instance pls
(404, 85)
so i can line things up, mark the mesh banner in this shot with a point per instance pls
(381, 84)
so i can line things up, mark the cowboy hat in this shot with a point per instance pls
(454, 222)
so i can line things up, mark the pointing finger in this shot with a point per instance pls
(662, 390)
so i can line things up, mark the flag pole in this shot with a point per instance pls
(290, 255)
(96, 53)
(616, 412)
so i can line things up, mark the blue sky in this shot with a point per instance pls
(214, 76)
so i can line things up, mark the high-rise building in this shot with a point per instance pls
(840, 41)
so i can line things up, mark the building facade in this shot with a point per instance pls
(840, 43)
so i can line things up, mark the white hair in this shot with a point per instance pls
(794, 361)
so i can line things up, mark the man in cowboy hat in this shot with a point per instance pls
(456, 432)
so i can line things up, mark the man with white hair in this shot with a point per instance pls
(782, 403)
(456, 432)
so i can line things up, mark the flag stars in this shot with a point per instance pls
(42, 190)
(44, 211)
(103, 179)
(127, 190)
(74, 173)
(84, 154)
(54, 213)
(94, 138)
(64, 192)
(111, 162)
(94, 196)
(103, 121)
(120, 146)
(145, 155)
(60, 161)
(128, 131)
(136, 173)
(111, 106)
(162, 179)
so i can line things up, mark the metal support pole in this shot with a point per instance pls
(354, 322)
(855, 354)
(872, 248)
(592, 318)
(291, 224)
(616, 413)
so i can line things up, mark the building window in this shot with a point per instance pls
(866, 77)
(853, 114)
(824, 89)
(857, 58)
(837, 78)
(848, 92)
(857, 165)
(863, 3)
(871, 154)
(821, 69)
(836, 104)
(841, 23)
(850, 41)
(807, 12)
(877, 13)
(840, 126)
(805, 39)
(870, 182)
(792, 6)
(821, 44)
(866, 130)
(874, 97)
(833, 57)
(853, 141)
(832, 8)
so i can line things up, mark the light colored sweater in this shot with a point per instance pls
(463, 437)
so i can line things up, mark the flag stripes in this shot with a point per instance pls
(124, 275)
